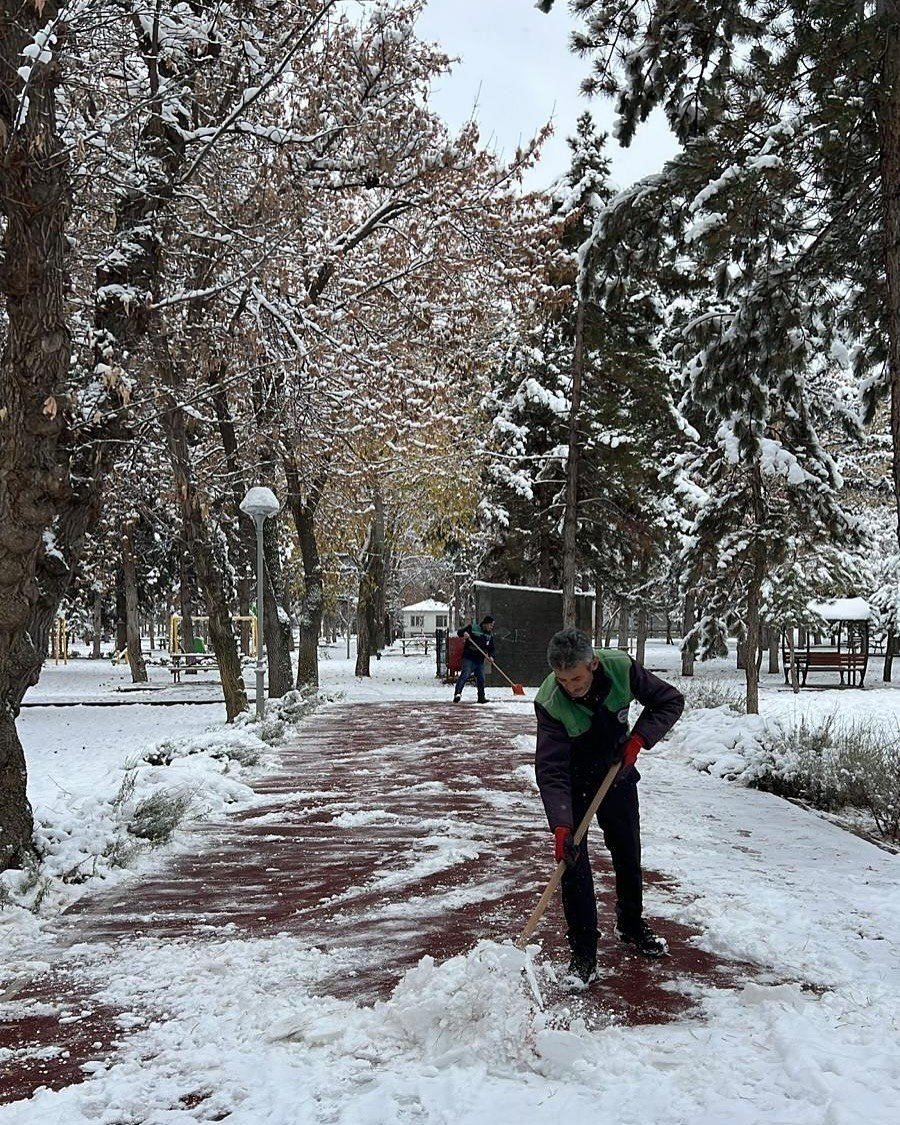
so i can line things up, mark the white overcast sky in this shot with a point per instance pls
(517, 72)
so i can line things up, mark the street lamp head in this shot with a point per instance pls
(260, 502)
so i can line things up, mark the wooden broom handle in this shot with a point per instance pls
(580, 833)
(493, 662)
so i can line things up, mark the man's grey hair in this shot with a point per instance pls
(568, 648)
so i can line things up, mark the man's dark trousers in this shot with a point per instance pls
(619, 817)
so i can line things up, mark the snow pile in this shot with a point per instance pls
(719, 741)
(234, 743)
(474, 1005)
(98, 836)
(283, 714)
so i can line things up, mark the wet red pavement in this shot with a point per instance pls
(390, 831)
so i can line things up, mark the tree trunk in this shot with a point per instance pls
(196, 535)
(888, 111)
(792, 657)
(186, 605)
(599, 611)
(303, 509)
(35, 201)
(277, 622)
(754, 593)
(640, 644)
(132, 613)
(687, 651)
(570, 511)
(774, 666)
(121, 613)
(97, 621)
(372, 576)
(624, 625)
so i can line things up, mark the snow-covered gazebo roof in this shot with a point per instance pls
(428, 606)
(843, 609)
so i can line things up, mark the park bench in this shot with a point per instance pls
(851, 664)
(191, 662)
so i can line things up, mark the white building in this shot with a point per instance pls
(423, 618)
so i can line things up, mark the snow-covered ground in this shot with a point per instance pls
(244, 1034)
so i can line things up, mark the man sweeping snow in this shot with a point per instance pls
(582, 729)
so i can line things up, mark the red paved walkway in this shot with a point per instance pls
(350, 852)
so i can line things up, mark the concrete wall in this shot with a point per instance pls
(526, 619)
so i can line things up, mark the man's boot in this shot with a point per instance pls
(583, 968)
(643, 939)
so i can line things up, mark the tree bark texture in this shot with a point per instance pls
(121, 613)
(624, 625)
(570, 511)
(186, 604)
(641, 629)
(97, 624)
(754, 594)
(35, 201)
(687, 653)
(889, 129)
(303, 506)
(132, 611)
(197, 537)
(371, 578)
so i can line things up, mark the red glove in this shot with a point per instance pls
(564, 846)
(633, 747)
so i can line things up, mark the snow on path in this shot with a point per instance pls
(245, 1029)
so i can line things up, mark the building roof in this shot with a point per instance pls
(428, 606)
(843, 609)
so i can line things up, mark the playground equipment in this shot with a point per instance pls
(201, 634)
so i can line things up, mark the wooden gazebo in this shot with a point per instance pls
(846, 650)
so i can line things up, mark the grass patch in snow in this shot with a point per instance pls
(156, 817)
(836, 765)
(700, 694)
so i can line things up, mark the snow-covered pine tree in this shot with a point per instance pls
(752, 203)
(761, 484)
(600, 444)
(810, 88)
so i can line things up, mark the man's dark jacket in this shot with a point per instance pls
(485, 642)
(577, 762)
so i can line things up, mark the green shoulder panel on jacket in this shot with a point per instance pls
(576, 717)
(617, 665)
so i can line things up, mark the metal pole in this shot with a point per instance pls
(260, 633)
(349, 592)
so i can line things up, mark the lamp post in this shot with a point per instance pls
(258, 504)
